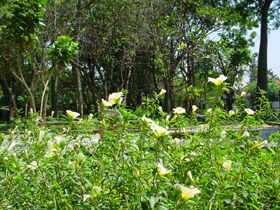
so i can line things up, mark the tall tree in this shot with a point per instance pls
(262, 61)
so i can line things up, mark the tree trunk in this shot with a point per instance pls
(8, 93)
(262, 62)
(44, 102)
(54, 95)
(76, 68)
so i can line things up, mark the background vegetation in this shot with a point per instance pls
(57, 55)
(159, 118)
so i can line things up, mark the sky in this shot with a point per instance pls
(273, 51)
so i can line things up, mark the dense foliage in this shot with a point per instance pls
(141, 160)
(138, 46)
(172, 135)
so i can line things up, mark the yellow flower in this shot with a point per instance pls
(249, 111)
(218, 81)
(115, 98)
(158, 130)
(187, 193)
(161, 170)
(227, 165)
(179, 110)
(161, 93)
(105, 103)
(72, 115)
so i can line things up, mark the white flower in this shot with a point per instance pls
(158, 130)
(177, 142)
(95, 139)
(86, 197)
(167, 117)
(105, 103)
(41, 135)
(14, 143)
(261, 145)
(33, 165)
(246, 134)
(193, 153)
(223, 134)
(194, 108)
(115, 98)
(147, 120)
(209, 111)
(90, 116)
(187, 193)
(96, 191)
(249, 111)
(52, 150)
(227, 165)
(52, 114)
(190, 175)
(161, 170)
(72, 115)
(59, 140)
(161, 93)
(243, 94)
(231, 113)
(161, 110)
(179, 110)
(218, 81)
(81, 157)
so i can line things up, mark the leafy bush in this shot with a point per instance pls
(140, 163)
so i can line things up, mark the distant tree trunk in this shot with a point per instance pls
(8, 93)
(54, 95)
(44, 102)
(229, 99)
(76, 68)
(188, 102)
(262, 62)
(168, 95)
(171, 66)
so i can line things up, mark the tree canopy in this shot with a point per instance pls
(103, 46)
